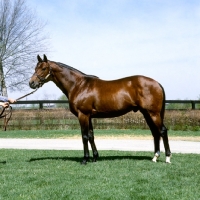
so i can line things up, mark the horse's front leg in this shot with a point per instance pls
(92, 143)
(84, 123)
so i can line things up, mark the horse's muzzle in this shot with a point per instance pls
(33, 84)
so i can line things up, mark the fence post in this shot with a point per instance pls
(40, 105)
(193, 105)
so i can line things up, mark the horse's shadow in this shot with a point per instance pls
(102, 158)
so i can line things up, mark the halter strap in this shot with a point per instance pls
(42, 80)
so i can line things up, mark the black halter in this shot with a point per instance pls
(43, 79)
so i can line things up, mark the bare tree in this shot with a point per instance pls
(21, 39)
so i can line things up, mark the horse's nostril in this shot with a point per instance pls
(31, 84)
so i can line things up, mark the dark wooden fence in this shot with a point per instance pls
(51, 103)
(192, 103)
(41, 103)
(55, 114)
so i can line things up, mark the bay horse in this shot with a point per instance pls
(90, 97)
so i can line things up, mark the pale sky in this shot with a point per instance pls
(117, 38)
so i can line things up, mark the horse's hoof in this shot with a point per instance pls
(168, 159)
(154, 160)
(156, 156)
(95, 156)
(84, 162)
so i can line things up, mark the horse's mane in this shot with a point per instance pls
(73, 69)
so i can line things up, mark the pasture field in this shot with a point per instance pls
(105, 133)
(47, 174)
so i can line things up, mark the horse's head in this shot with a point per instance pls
(42, 73)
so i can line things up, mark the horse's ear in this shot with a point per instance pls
(45, 58)
(39, 59)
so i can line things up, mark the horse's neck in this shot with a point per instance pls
(65, 79)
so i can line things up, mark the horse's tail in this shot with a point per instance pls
(162, 113)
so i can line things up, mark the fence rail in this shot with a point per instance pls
(193, 103)
(41, 103)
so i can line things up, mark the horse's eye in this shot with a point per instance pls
(43, 68)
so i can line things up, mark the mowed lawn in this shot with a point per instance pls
(48, 174)
(98, 133)
(31, 174)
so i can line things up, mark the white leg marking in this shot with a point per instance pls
(156, 156)
(168, 159)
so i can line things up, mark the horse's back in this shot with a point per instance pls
(133, 85)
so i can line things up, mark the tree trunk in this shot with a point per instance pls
(3, 88)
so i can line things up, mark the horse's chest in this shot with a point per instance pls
(81, 106)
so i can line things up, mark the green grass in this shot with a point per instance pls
(99, 132)
(48, 174)
(34, 174)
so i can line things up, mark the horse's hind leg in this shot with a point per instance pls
(155, 134)
(161, 130)
(91, 140)
(166, 143)
(158, 129)
(163, 133)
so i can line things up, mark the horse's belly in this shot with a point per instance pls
(109, 113)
